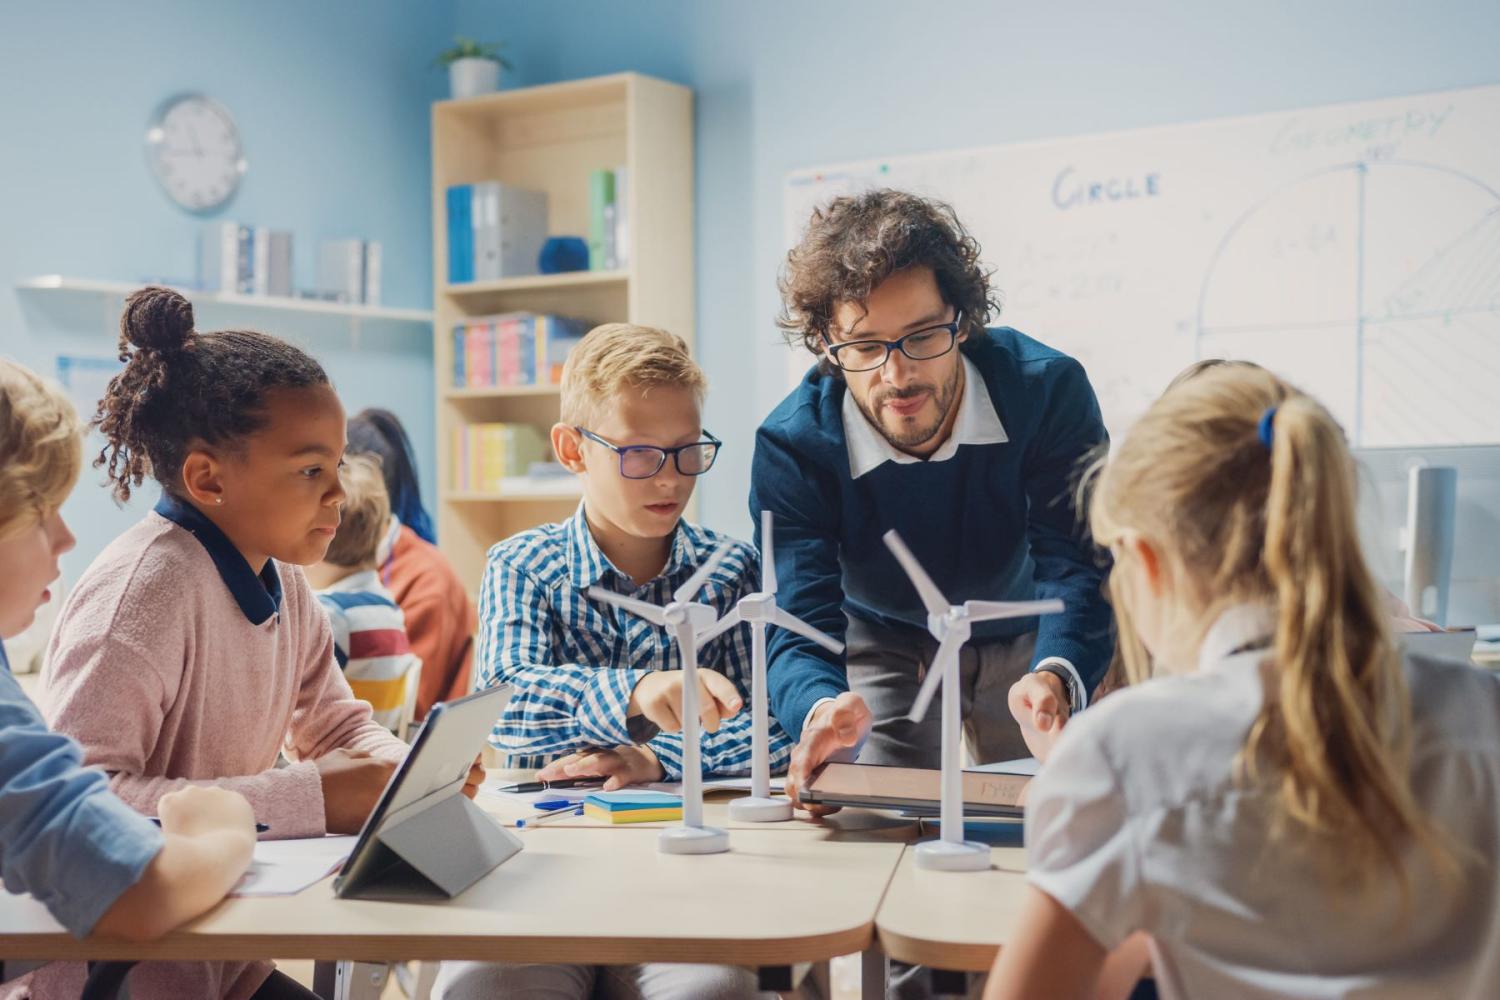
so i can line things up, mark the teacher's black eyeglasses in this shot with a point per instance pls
(922, 345)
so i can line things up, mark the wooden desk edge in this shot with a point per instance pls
(412, 947)
(937, 954)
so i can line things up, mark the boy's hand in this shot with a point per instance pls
(203, 809)
(1040, 707)
(475, 778)
(619, 767)
(352, 783)
(658, 696)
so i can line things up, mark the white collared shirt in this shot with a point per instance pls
(976, 423)
(1139, 822)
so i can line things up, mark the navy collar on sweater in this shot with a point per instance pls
(258, 595)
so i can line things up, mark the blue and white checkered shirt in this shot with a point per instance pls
(572, 662)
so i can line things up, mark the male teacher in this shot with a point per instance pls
(968, 441)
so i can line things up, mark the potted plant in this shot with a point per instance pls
(473, 67)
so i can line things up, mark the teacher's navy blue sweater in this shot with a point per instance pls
(994, 522)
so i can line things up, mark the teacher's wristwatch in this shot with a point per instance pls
(1068, 684)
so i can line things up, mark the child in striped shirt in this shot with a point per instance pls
(369, 631)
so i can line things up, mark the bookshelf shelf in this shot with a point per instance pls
(531, 490)
(310, 307)
(552, 138)
(502, 392)
(537, 282)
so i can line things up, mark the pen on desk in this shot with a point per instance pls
(542, 786)
(259, 827)
(548, 817)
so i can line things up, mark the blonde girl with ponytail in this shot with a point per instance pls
(1281, 800)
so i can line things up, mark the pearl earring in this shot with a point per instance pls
(218, 500)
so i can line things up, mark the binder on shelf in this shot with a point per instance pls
(279, 270)
(219, 257)
(621, 257)
(372, 264)
(460, 234)
(601, 198)
(509, 225)
(260, 261)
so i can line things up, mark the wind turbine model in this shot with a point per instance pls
(684, 618)
(760, 610)
(950, 625)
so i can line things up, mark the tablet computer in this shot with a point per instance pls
(434, 771)
(913, 789)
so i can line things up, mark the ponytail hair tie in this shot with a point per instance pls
(1264, 430)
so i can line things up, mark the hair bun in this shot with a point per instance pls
(157, 319)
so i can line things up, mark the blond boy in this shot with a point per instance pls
(595, 691)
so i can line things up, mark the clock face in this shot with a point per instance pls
(194, 150)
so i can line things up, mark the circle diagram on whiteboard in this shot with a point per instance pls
(1375, 286)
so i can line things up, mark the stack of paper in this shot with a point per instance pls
(633, 807)
(286, 867)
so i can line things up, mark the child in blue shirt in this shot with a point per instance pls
(96, 864)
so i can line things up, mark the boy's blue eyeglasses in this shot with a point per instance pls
(642, 461)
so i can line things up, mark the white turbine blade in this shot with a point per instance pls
(687, 590)
(933, 598)
(650, 612)
(791, 622)
(984, 611)
(721, 626)
(767, 554)
(947, 649)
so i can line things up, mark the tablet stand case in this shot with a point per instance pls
(435, 848)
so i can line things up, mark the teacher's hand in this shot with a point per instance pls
(1040, 707)
(835, 725)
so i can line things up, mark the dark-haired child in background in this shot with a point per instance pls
(440, 617)
(192, 649)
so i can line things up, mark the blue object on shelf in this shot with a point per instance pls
(563, 253)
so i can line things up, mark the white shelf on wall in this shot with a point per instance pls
(312, 307)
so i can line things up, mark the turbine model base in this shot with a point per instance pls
(751, 809)
(948, 856)
(692, 840)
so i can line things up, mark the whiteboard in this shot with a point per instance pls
(1354, 249)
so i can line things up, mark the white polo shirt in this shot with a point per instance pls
(1137, 823)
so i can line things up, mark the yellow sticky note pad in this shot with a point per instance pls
(666, 815)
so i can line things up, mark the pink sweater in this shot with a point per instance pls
(165, 681)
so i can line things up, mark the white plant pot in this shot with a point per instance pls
(472, 77)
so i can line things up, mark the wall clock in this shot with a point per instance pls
(194, 149)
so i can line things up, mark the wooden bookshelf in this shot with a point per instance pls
(550, 138)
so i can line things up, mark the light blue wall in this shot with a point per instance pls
(790, 83)
(332, 100)
(332, 103)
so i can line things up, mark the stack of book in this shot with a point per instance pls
(609, 219)
(485, 455)
(495, 231)
(245, 260)
(349, 271)
(513, 349)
